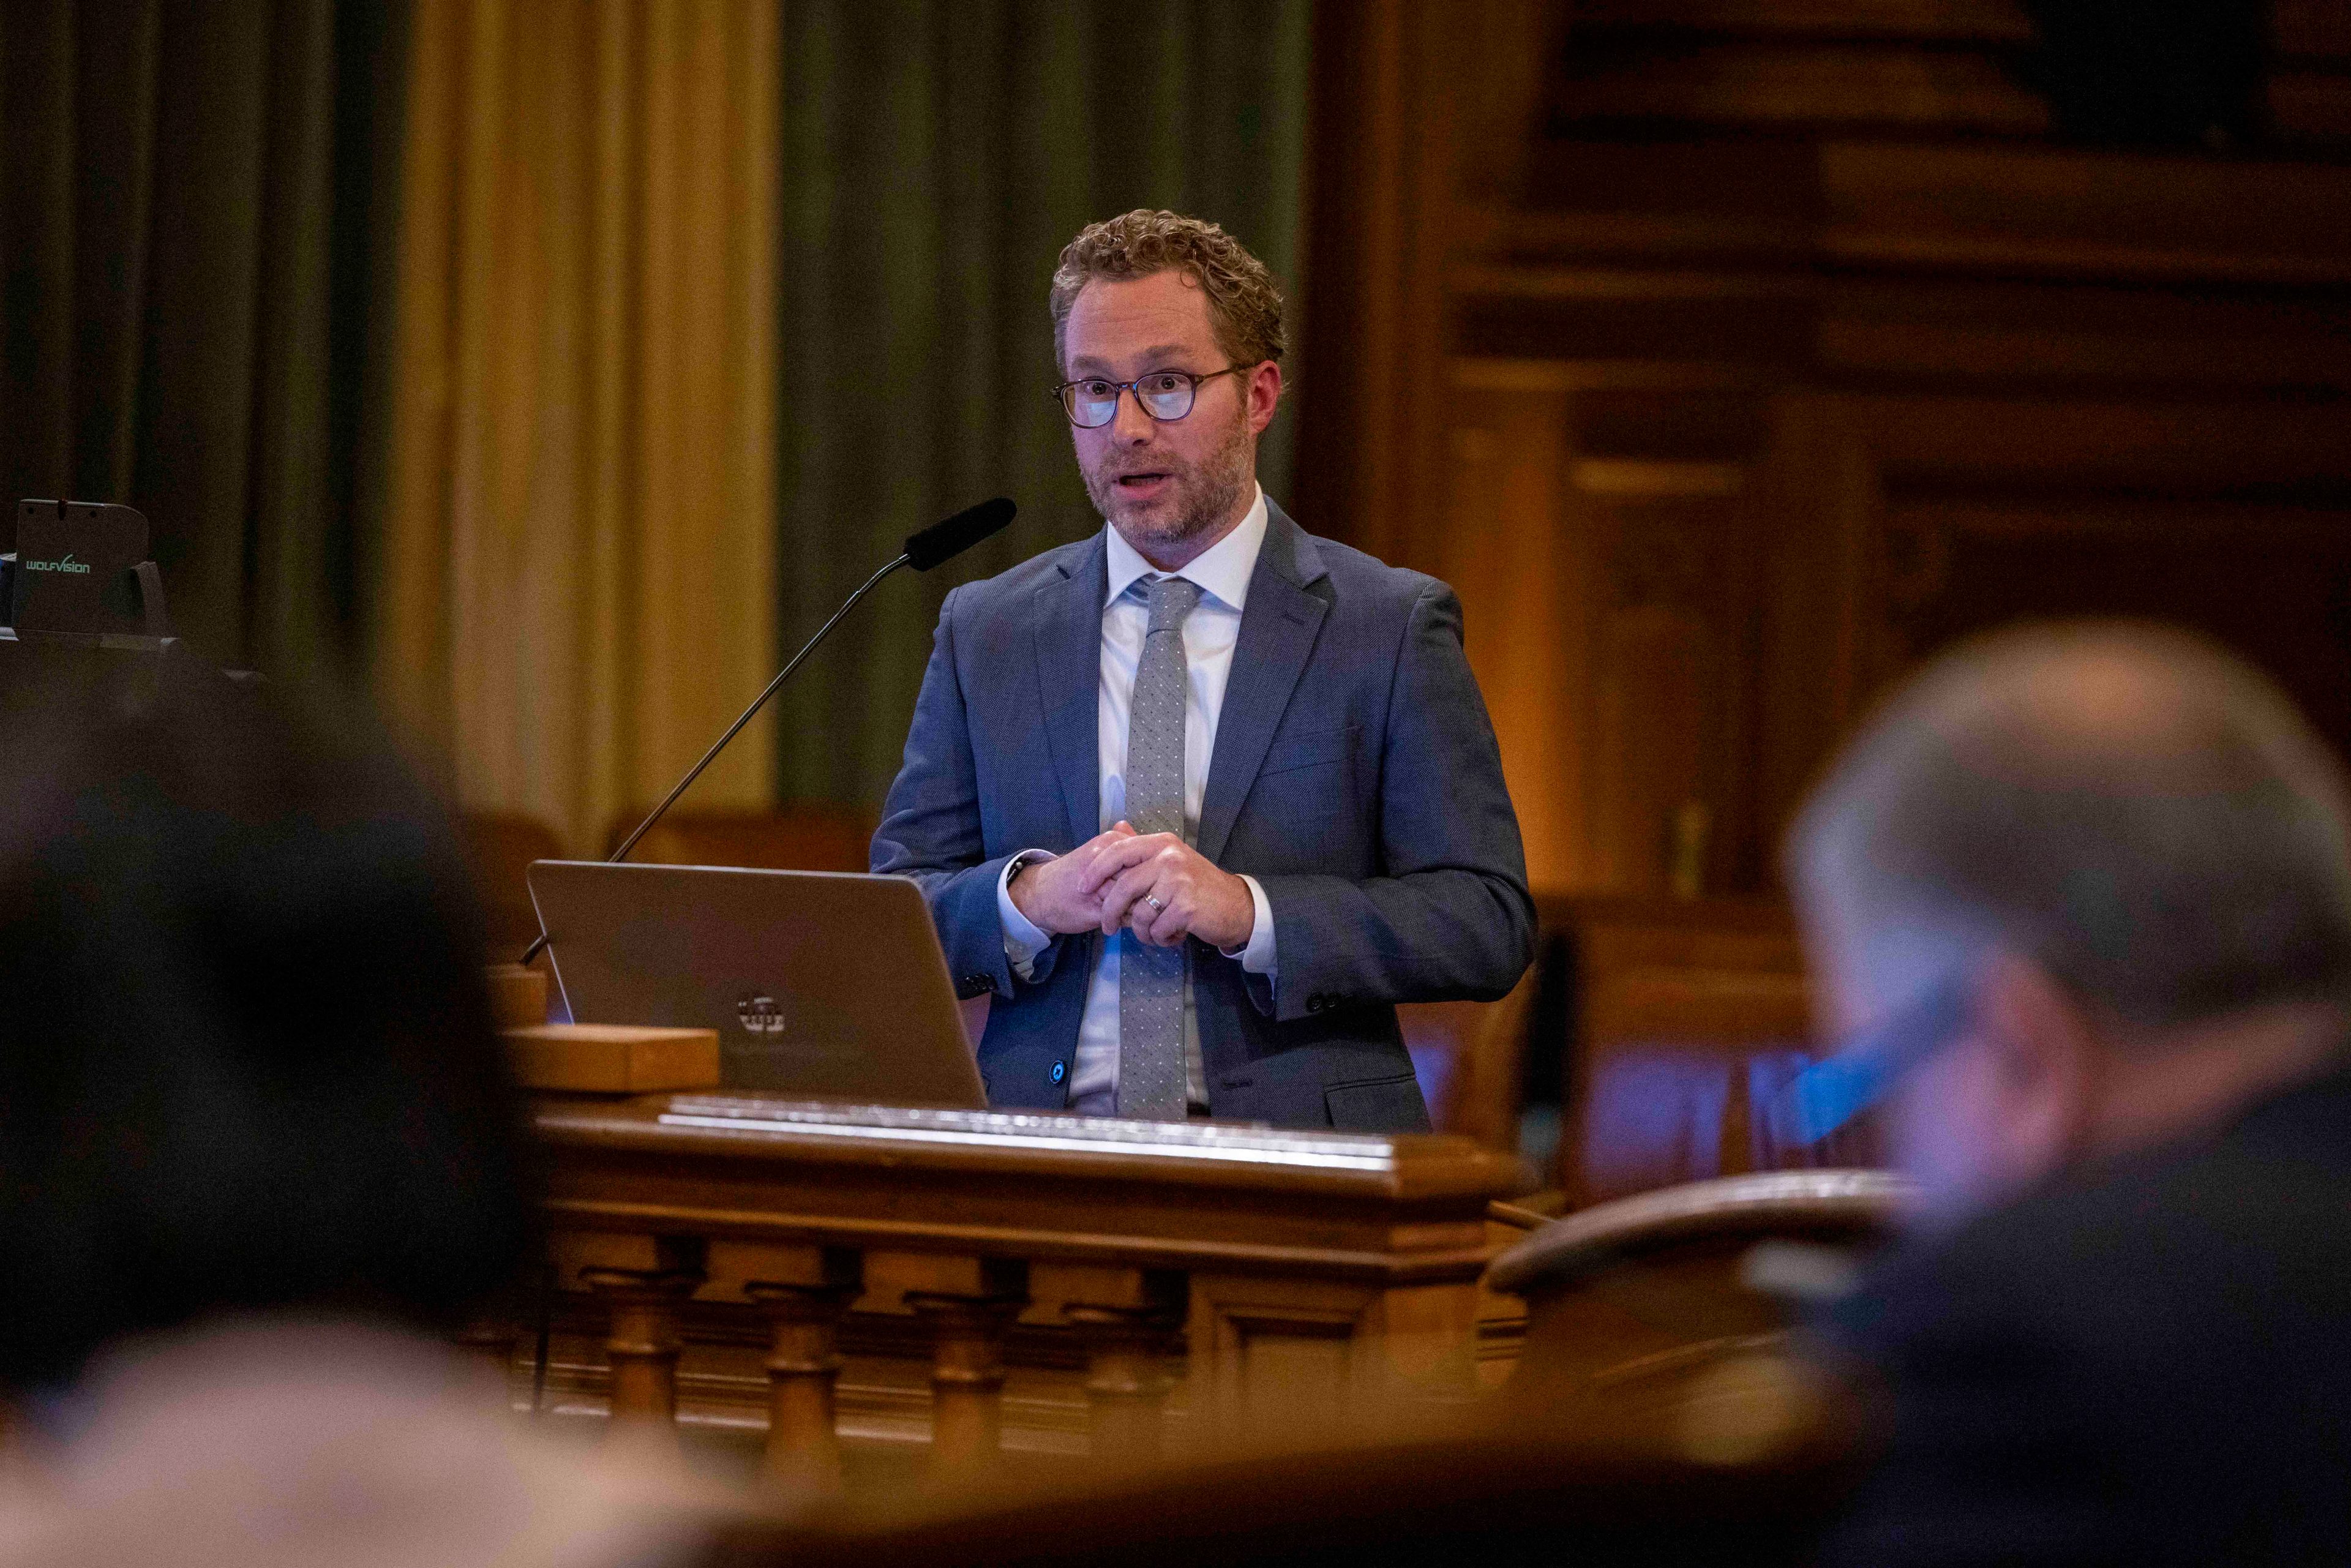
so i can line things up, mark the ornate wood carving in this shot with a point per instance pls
(956, 1217)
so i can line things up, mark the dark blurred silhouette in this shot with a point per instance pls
(258, 1153)
(2086, 892)
(246, 1058)
(1475, 1499)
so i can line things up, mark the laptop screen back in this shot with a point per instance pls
(820, 984)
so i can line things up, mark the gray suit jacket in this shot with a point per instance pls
(1355, 776)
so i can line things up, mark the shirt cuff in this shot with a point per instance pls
(1257, 955)
(1022, 940)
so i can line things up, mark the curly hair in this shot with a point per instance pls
(1243, 303)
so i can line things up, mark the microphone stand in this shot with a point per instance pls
(617, 856)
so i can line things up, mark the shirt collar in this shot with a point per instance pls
(1223, 570)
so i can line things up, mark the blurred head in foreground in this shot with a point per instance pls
(2083, 892)
(2079, 890)
(257, 1151)
(247, 1062)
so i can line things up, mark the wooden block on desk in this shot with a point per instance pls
(612, 1058)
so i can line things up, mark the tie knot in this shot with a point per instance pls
(1172, 599)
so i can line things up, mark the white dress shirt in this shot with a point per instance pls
(1222, 573)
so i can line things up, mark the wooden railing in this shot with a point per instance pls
(1666, 1322)
(1061, 1285)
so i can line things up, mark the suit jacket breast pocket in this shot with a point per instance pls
(1319, 749)
(1302, 814)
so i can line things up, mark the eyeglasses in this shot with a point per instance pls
(1165, 395)
(1832, 1092)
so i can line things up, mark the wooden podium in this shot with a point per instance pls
(989, 1282)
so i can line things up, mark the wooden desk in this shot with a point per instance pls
(1141, 1279)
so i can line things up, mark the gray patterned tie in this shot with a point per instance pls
(1151, 979)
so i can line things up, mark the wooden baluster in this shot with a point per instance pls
(804, 1366)
(967, 1330)
(643, 1344)
(1127, 1382)
(1737, 1153)
(488, 1348)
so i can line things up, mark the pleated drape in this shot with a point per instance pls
(937, 155)
(579, 547)
(704, 306)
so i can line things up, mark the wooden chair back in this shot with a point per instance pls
(1685, 1017)
(1470, 1059)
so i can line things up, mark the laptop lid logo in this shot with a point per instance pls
(762, 1014)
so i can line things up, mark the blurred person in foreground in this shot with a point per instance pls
(259, 1157)
(2083, 895)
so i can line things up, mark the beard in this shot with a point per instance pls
(1201, 498)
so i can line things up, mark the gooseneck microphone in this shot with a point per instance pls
(935, 546)
(941, 542)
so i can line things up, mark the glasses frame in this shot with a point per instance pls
(1862, 1068)
(1119, 389)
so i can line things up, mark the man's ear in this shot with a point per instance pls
(1264, 384)
(2044, 1057)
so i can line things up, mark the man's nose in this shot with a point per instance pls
(1130, 424)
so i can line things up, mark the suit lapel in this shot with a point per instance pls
(1278, 630)
(1069, 682)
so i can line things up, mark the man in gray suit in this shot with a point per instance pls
(1198, 800)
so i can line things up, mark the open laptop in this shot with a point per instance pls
(820, 984)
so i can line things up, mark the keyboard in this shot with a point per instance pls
(1254, 1143)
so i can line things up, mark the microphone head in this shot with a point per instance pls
(941, 542)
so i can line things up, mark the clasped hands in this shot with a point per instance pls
(1154, 883)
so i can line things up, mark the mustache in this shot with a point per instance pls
(1129, 470)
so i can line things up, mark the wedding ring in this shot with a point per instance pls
(1153, 901)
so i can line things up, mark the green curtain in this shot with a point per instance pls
(937, 155)
(193, 205)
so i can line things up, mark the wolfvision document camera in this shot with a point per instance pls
(80, 577)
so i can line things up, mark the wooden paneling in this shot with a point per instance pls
(1801, 346)
(2309, 96)
(2273, 582)
(1660, 635)
(1782, 84)
(1422, 113)
(1607, 539)
(1915, 21)
(1948, 68)
(1510, 551)
(2109, 216)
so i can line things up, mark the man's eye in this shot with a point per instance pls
(1162, 382)
(1095, 391)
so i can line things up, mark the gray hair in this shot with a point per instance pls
(2130, 806)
